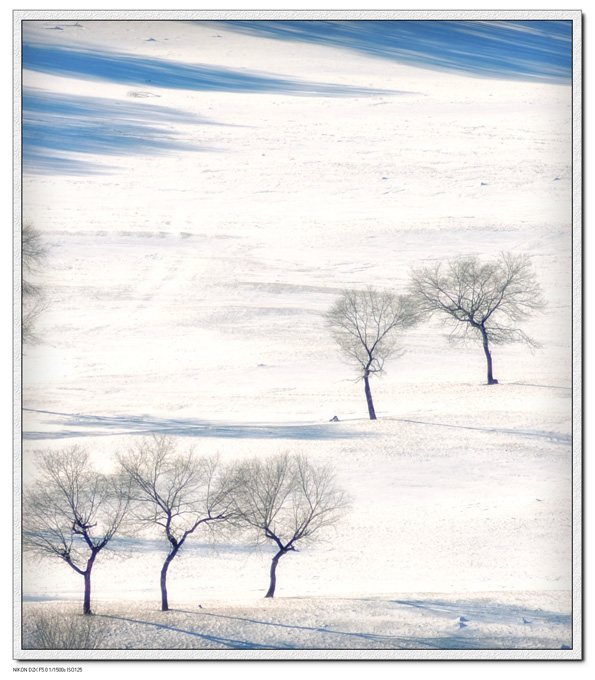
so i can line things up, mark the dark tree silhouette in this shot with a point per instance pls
(72, 512)
(177, 491)
(482, 301)
(286, 500)
(366, 325)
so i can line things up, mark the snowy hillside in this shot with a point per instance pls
(205, 193)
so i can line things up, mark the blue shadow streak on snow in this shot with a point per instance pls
(547, 387)
(76, 425)
(528, 50)
(128, 544)
(131, 70)
(55, 126)
(490, 612)
(224, 642)
(554, 437)
(392, 641)
(376, 640)
(28, 597)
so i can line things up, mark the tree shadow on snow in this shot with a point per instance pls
(127, 69)
(329, 637)
(525, 50)
(468, 621)
(463, 636)
(55, 126)
(489, 612)
(78, 425)
(554, 437)
(229, 643)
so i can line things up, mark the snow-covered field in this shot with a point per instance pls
(197, 233)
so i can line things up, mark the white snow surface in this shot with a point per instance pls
(187, 296)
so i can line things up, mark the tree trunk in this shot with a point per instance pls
(371, 410)
(87, 600)
(486, 349)
(163, 581)
(271, 590)
(87, 577)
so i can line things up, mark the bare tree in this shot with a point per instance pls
(366, 325)
(287, 500)
(72, 512)
(483, 301)
(33, 303)
(176, 491)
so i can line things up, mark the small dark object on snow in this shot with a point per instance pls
(565, 647)
(334, 419)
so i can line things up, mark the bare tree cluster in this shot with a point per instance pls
(72, 512)
(481, 301)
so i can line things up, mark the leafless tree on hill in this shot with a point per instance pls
(485, 301)
(367, 326)
(287, 500)
(176, 491)
(33, 302)
(72, 512)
